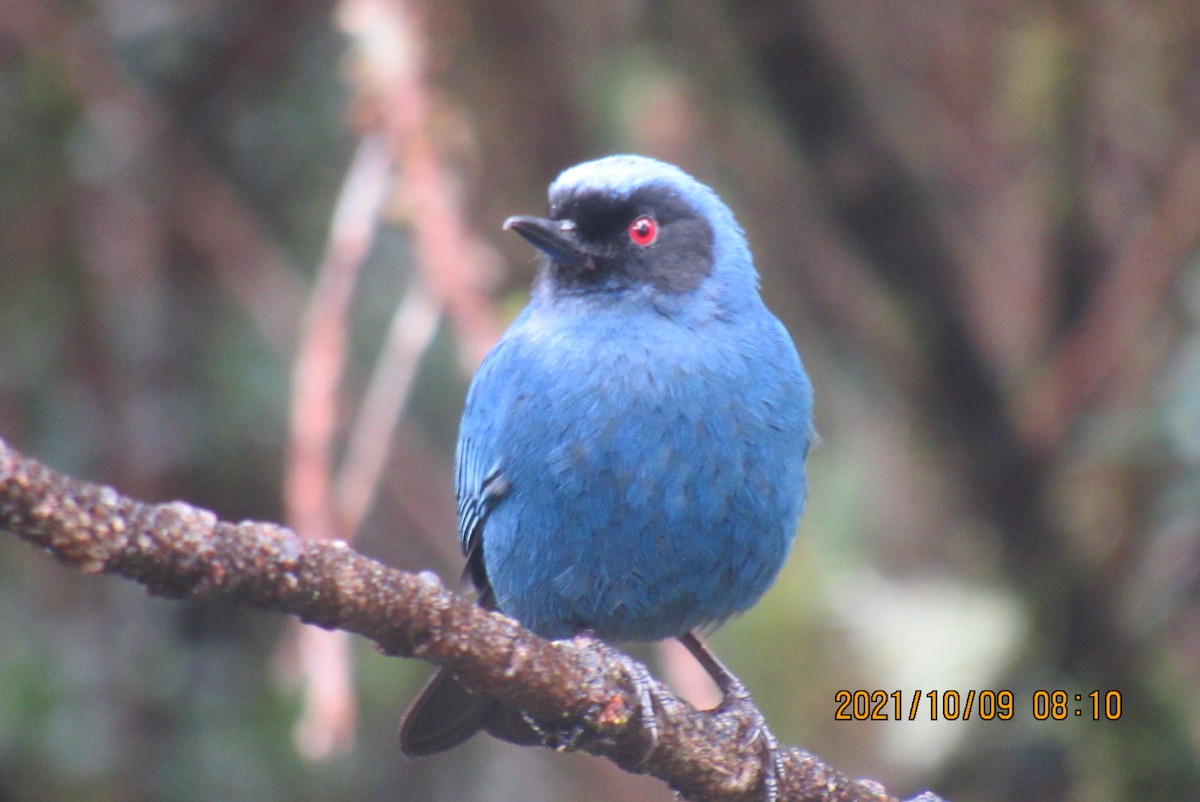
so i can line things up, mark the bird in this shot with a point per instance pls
(631, 461)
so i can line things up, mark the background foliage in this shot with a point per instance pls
(979, 221)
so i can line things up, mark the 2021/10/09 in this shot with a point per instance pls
(954, 705)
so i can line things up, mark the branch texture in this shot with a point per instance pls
(180, 551)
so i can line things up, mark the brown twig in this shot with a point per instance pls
(327, 723)
(413, 327)
(321, 353)
(180, 551)
(393, 88)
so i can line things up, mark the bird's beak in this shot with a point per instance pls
(555, 238)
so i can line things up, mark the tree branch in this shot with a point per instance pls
(180, 551)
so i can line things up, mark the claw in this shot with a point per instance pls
(648, 704)
(772, 761)
(560, 739)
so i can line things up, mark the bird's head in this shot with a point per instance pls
(632, 225)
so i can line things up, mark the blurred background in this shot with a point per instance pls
(250, 253)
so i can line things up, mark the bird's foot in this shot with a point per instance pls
(736, 701)
(648, 705)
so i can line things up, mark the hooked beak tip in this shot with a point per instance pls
(555, 238)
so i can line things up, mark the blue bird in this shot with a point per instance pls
(631, 460)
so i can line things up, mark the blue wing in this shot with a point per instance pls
(479, 479)
(478, 490)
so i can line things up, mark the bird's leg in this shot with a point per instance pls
(736, 699)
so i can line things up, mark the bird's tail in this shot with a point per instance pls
(442, 716)
(445, 714)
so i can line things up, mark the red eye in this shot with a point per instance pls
(643, 231)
